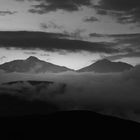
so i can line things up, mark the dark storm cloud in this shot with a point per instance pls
(100, 11)
(76, 34)
(120, 56)
(51, 25)
(119, 5)
(4, 13)
(90, 19)
(50, 42)
(45, 6)
(126, 42)
(115, 35)
(125, 11)
(134, 37)
(131, 42)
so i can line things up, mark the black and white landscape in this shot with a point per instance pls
(111, 93)
(70, 56)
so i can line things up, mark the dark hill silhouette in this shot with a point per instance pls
(17, 106)
(19, 109)
(32, 64)
(67, 122)
(106, 66)
(23, 116)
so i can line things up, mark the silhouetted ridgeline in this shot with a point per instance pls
(21, 116)
(33, 65)
(73, 122)
(106, 66)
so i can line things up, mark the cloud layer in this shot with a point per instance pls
(4, 13)
(126, 43)
(113, 94)
(125, 11)
(90, 19)
(45, 6)
(51, 42)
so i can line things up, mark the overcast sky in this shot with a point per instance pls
(114, 23)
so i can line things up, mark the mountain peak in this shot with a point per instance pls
(32, 58)
(105, 66)
(103, 61)
(32, 65)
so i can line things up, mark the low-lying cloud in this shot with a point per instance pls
(113, 93)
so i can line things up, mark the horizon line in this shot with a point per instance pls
(66, 66)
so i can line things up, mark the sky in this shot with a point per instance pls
(104, 29)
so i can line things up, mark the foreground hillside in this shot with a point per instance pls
(19, 112)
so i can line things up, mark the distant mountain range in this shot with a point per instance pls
(34, 65)
(106, 66)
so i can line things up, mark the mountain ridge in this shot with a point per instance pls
(33, 65)
(106, 66)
